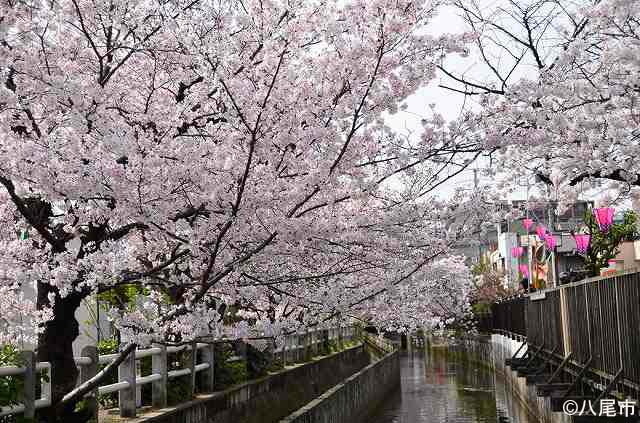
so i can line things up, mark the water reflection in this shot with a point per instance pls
(437, 389)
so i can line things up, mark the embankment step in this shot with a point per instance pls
(545, 390)
(538, 379)
(516, 362)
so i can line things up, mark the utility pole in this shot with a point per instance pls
(529, 244)
(475, 189)
(552, 264)
(475, 178)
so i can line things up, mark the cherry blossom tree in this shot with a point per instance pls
(558, 91)
(217, 154)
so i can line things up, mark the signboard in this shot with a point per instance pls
(526, 240)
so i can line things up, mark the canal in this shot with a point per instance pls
(437, 388)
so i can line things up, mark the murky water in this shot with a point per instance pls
(438, 389)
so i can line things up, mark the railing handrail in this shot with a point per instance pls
(158, 353)
(380, 343)
(617, 274)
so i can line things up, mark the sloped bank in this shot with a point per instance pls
(355, 398)
(268, 399)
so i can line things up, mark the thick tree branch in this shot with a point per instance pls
(94, 382)
(56, 244)
(617, 175)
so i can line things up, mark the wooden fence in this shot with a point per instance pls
(508, 315)
(596, 320)
(199, 364)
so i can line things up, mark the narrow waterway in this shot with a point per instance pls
(438, 389)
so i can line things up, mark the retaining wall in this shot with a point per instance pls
(354, 399)
(540, 407)
(269, 399)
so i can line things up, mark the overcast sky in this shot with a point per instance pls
(447, 103)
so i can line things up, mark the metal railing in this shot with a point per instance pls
(379, 342)
(200, 361)
(596, 320)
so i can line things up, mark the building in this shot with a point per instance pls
(495, 247)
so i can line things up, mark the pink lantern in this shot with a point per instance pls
(604, 217)
(550, 241)
(517, 251)
(524, 269)
(582, 242)
(541, 231)
(527, 223)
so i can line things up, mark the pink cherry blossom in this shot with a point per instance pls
(558, 93)
(229, 154)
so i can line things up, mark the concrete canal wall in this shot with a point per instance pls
(355, 398)
(503, 348)
(269, 399)
(492, 352)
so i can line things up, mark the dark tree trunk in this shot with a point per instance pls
(55, 345)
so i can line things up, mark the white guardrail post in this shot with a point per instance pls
(190, 359)
(29, 383)
(309, 345)
(285, 349)
(243, 354)
(208, 375)
(87, 371)
(159, 387)
(127, 396)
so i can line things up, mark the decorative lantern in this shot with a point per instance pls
(524, 269)
(527, 223)
(550, 241)
(541, 231)
(582, 242)
(604, 217)
(517, 252)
